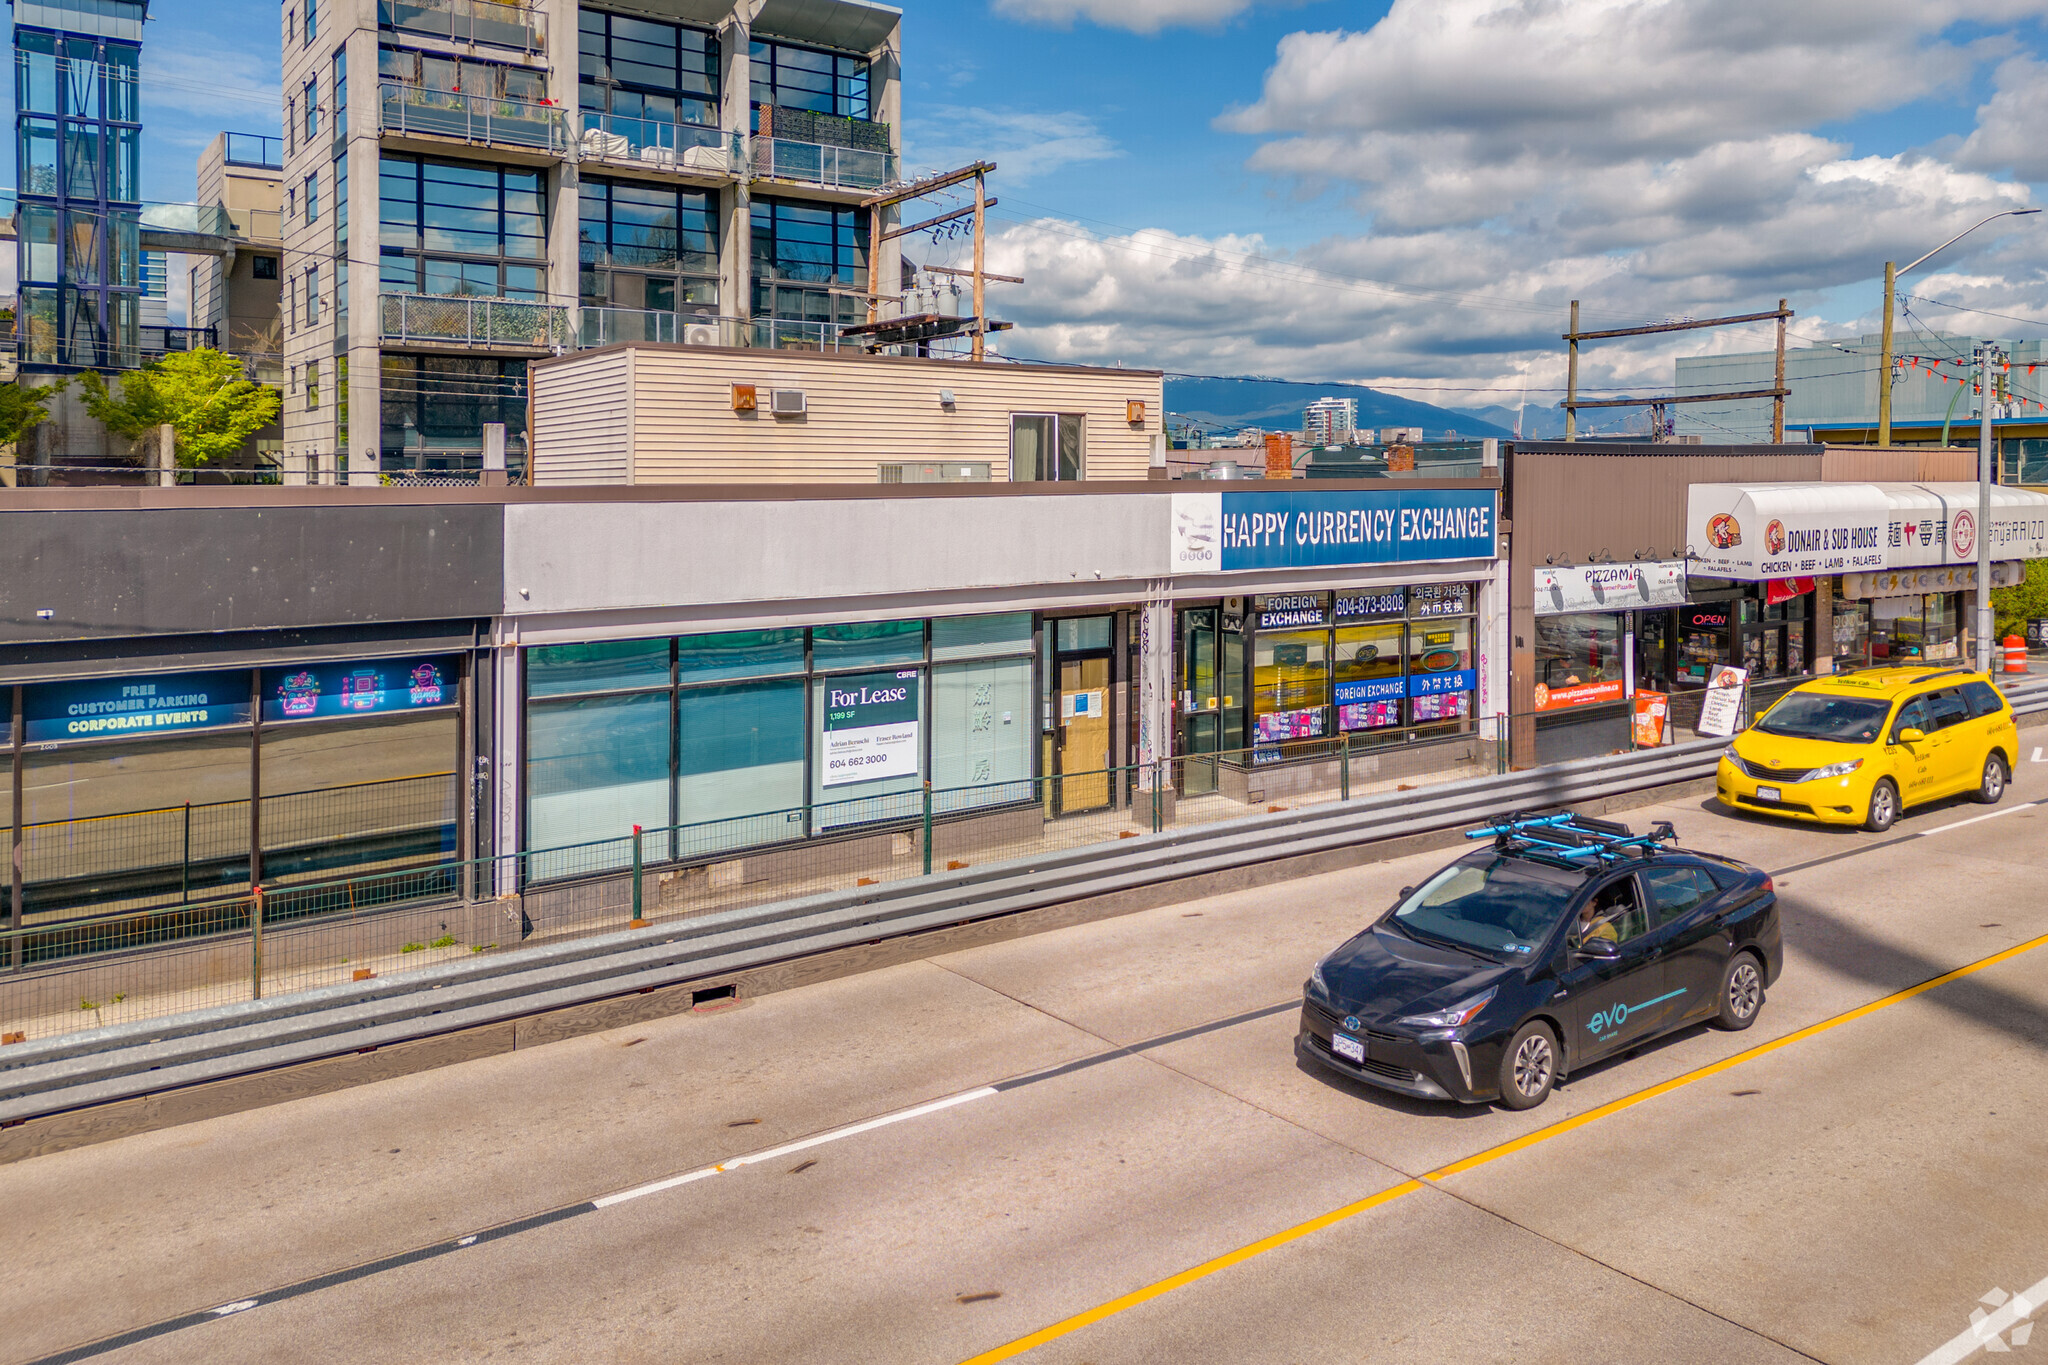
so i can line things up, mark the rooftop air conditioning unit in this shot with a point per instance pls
(701, 334)
(786, 402)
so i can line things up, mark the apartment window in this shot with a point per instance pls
(340, 91)
(341, 200)
(291, 306)
(311, 97)
(798, 245)
(291, 201)
(1047, 448)
(291, 115)
(263, 267)
(312, 385)
(312, 20)
(647, 246)
(313, 197)
(461, 228)
(433, 404)
(312, 295)
(642, 69)
(809, 78)
(461, 75)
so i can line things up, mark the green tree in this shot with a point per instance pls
(22, 406)
(202, 394)
(2013, 606)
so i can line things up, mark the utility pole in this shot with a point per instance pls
(1986, 445)
(1778, 383)
(1884, 370)
(1571, 380)
(980, 255)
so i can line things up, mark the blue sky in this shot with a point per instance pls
(1409, 192)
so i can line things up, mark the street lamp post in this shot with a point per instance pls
(1891, 280)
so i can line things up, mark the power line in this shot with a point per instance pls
(1982, 312)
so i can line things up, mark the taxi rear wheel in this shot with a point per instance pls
(1991, 786)
(1528, 1068)
(1884, 806)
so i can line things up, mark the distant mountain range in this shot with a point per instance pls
(1276, 404)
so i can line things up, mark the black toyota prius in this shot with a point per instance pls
(1565, 940)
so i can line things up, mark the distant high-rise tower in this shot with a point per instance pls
(78, 155)
(1329, 421)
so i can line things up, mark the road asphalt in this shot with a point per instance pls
(1101, 1190)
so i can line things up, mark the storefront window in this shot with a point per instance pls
(867, 643)
(1290, 686)
(740, 770)
(94, 813)
(1702, 642)
(1370, 676)
(967, 637)
(739, 654)
(1852, 632)
(595, 768)
(1926, 627)
(1578, 659)
(380, 791)
(603, 666)
(1441, 678)
(981, 733)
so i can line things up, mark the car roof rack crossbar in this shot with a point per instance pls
(1569, 839)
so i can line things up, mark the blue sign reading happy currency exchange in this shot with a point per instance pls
(1221, 532)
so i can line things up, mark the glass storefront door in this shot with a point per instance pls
(1201, 718)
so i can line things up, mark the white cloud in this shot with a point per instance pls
(1024, 145)
(1139, 16)
(2009, 127)
(1653, 158)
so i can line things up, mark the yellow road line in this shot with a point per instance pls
(1491, 1154)
(1189, 1276)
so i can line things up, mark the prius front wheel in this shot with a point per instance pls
(1529, 1067)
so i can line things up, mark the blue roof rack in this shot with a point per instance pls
(1571, 840)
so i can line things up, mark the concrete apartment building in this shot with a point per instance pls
(239, 296)
(471, 186)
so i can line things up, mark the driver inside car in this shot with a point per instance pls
(1593, 923)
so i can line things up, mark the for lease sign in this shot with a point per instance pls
(871, 727)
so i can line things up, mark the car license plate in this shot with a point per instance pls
(1769, 794)
(1352, 1049)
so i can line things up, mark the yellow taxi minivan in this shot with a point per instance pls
(1859, 748)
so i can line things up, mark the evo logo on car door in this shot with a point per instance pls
(1614, 1016)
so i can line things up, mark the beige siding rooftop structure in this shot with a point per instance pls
(659, 414)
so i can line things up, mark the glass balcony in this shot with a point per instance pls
(609, 326)
(791, 334)
(471, 321)
(157, 341)
(209, 220)
(661, 143)
(254, 149)
(468, 21)
(414, 110)
(813, 163)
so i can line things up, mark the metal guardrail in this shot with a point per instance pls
(813, 163)
(473, 321)
(468, 21)
(122, 1061)
(413, 109)
(662, 144)
(606, 326)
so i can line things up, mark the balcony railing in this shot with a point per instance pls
(254, 149)
(663, 144)
(474, 321)
(791, 334)
(412, 109)
(609, 326)
(815, 164)
(158, 341)
(468, 21)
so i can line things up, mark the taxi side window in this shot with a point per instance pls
(1677, 891)
(1946, 708)
(1912, 716)
(1983, 699)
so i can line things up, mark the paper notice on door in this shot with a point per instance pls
(1084, 705)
